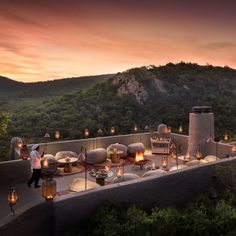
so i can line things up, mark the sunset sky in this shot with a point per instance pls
(52, 39)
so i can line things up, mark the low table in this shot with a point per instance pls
(115, 156)
(101, 179)
(68, 163)
(182, 158)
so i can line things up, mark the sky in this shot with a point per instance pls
(51, 39)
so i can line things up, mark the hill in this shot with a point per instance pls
(141, 96)
(30, 93)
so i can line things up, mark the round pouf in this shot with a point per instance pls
(52, 165)
(119, 147)
(64, 154)
(125, 177)
(135, 147)
(211, 158)
(179, 167)
(154, 173)
(96, 156)
(78, 185)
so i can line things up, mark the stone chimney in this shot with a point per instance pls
(201, 129)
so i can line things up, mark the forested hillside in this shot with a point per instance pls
(142, 96)
(32, 93)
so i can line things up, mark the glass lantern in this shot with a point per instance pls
(49, 189)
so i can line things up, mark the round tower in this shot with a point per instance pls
(201, 129)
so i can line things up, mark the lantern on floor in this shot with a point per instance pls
(198, 154)
(24, 152)
(119, 172)
(12, 198)
(57, 135)
(164, 163)
(112, 130)
(180, 129)
(86, 133)
(49, 189)
(226, 137)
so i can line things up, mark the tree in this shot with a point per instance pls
(4, 121)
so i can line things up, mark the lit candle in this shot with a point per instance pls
(86, 133)
(135, 128)
(118, 172)
(226, 137)
(153, 166)
(107, 169)
(57, 135)
(113, 130)
(180, 129)
(186, 157)
(45, 163)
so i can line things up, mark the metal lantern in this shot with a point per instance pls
(180, 129)
(119, 172)
(57, 135)
(100, 132)
(24, 152)
(49, 189)
(12, 198)
(198, 154)
(113, 130)
(20, 145)
(169, 129)
(86, 133)
(226, 137)
(164, 163)
(47, 136)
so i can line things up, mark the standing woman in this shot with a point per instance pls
(35, 158)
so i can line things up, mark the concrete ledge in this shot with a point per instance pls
(176, 188)
(19, 170)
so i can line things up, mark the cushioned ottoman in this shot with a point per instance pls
(179, 167)
(78, 185)
(125, 177)
(96, 156)
(154, 173)
(119, 147)
(135, 147)
(52, 165)
(211, 158)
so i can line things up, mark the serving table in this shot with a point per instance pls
(68, 163)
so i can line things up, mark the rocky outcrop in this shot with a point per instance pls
(127, 84)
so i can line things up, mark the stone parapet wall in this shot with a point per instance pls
(173, 189)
